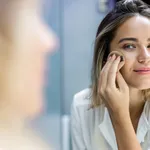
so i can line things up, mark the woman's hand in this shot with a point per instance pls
(113, 89)
(115, 93)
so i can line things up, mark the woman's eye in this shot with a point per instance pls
(148, 46)
(129, 46)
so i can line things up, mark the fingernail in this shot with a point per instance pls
(109, 58)
(114, 56)
(118, 57)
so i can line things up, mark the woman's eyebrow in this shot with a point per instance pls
(128, 39)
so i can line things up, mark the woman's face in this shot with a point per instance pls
(133, 40)
(34, 40)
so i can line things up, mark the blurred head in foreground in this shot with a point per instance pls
(25, 41)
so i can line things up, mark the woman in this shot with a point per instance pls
(114, 112)
(25, 41)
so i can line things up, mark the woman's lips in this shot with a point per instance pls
(142, 71)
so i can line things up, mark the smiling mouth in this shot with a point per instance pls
(142, 71)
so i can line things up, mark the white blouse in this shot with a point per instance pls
(91, 129)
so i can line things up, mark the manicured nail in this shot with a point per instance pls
(109, 58)
(113, 56)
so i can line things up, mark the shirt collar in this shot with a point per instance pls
(106, 127)
(107, 130)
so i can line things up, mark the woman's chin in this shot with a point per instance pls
(143, 87)
(140, 85)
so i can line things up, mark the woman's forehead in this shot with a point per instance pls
(136, 26)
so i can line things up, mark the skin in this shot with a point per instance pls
(29, 41)
(125, 103)
(32, 41)
(40, 41)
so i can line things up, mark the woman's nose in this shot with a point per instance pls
(144, 55)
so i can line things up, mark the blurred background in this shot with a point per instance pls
(75, 23)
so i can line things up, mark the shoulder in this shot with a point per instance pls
(82, 98)
(146, 110)
(82, 113)
(81, 105)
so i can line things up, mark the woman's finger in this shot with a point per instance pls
(122, 85)
(104, 72)
(112, 72)
(120, 65)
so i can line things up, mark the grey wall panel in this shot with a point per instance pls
(80, 21)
